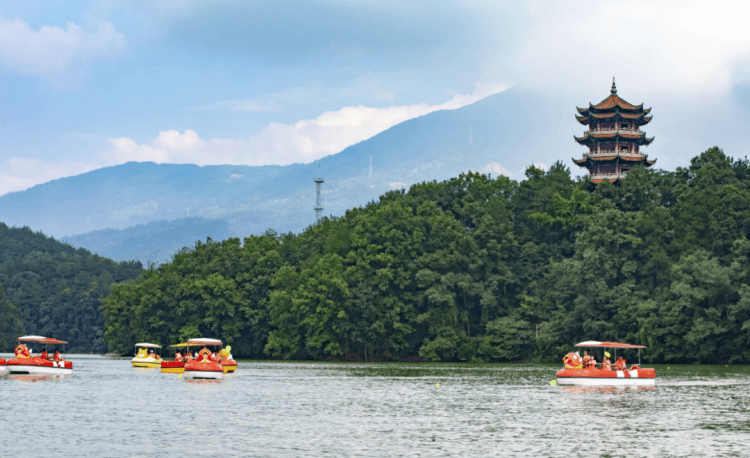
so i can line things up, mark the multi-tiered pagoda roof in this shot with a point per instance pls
(614, 137)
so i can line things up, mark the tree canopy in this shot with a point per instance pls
(52, 289)
(475, 268)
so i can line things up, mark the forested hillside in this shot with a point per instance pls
(476, 268)
(52, 289)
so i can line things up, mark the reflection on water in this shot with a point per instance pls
(36, 377)
(202, 381)
(107, 408)
(606, 389)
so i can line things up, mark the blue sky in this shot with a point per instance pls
(89, 84)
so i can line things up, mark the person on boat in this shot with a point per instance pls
(606, 363)
(56, 356)
(588, 360)
(621, 364)
(178, 356)
(44, 355)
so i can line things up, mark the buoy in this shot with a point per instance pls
(553, 382)
(667, 367)
(437, 384)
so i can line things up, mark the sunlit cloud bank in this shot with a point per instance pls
(281, 144)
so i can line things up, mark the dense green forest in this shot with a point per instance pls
(475, 269)
(52, 289)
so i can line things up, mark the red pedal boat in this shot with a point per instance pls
(178, 365)
(25, 362)
(576, 372)
(207, 365)
(3, 370)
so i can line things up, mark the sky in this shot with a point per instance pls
(90, 84)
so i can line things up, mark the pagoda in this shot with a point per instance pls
(614, 137)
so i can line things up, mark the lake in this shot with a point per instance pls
(311, 409)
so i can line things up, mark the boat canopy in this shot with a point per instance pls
(180, 345)
(147, 345)
(204, 342)
(594, 343)
(40, 339)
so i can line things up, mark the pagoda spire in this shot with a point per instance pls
(613, 91)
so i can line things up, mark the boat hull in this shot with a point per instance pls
(606, 382)
(3, 370)
(229, 366)
(172, 367)
(204, 369)
(599, 377)
(56, 369)
(203, 375)
(146, 364)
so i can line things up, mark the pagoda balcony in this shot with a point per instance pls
(616, 131)
(620, 153)
(607, 176)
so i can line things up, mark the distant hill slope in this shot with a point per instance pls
(57, 287)
(504, 130)
(156, 241)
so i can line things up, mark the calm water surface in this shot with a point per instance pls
(283, 409)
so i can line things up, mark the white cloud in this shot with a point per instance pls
(52, 51)
(666, 46)
(496, 169)
(397, 184)
(303, 141)
(20, 173)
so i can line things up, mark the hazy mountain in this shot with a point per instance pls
(507, 131)
(156, 241)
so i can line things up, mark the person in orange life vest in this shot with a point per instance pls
(44, 355)
(606, 363)
(56, 356)
(621, 364)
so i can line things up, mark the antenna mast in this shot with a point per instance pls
(318, 199)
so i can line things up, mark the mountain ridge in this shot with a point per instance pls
(488, 135)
